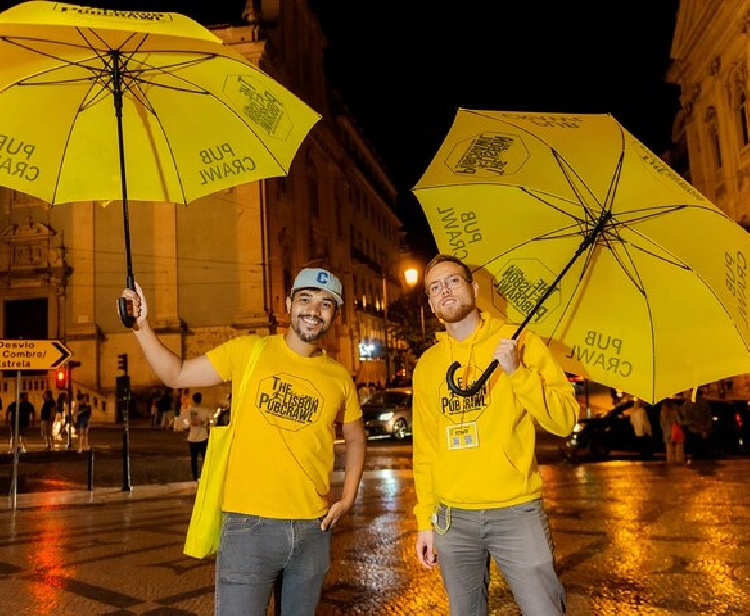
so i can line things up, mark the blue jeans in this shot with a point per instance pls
(254, 551)
(518, 540)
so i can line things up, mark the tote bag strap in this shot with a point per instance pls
(258, 347)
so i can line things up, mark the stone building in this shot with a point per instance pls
(710, 53)
(220, 266)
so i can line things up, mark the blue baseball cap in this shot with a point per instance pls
(317, 278)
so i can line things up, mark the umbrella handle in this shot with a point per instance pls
(476, 386)
(125, 307)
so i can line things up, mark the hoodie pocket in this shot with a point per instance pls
(518, 447)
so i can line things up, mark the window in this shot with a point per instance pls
(742, 111)
(339, 224)
(713, 135)
(312, 186)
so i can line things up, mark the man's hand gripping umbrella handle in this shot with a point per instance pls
(125, 307)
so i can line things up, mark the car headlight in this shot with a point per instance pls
(386, 416)
(577, 428)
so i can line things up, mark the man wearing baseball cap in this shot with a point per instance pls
(276, 510)
(316, 278)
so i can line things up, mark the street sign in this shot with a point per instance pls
(33, 354)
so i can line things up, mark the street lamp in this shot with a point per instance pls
(385, 325)
(412, 278)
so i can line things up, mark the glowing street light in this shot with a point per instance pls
(412, 278)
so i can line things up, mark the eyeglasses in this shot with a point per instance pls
(449, 282)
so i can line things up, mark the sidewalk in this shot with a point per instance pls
(631, 538)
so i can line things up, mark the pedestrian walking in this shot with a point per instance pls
(698, 419)
(153, 408)
(83, 417)
(47, 417)
(26, 418)
(64, 412)
(642, 429)
(198, 420)
(479, 491)
(185, 402)
(165, 408)
(277, 524)
(670, 421)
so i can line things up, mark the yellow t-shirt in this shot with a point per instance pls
(282, 455)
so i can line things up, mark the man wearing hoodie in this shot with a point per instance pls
(475, 471)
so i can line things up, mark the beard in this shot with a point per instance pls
(305, 336)
(454, 313)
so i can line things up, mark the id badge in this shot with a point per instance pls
(463, 436)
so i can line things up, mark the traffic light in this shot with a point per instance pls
(61, 378)
(122, 388)
(122, 362)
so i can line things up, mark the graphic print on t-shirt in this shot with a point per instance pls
(289, 402)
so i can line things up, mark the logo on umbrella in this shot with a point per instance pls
(488, 155)
(521, 283)
(665, 173)
(258, 105)
(88, 10)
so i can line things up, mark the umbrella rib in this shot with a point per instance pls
(97, 36)
(81, 107)
(564, 167)
(135, 75)
(539, 197)
(197, 89)
(147, 105)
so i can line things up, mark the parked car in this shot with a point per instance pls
(729, 425)
(388, 412)
(599, 436)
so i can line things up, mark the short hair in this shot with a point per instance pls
(443, 258)
(197, 397)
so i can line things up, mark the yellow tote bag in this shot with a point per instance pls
(205, 522)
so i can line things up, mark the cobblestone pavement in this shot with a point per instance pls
(631, 538)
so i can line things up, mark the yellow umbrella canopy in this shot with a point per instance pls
(99, 104)
(579, 232)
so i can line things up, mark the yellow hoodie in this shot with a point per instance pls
(478, 452)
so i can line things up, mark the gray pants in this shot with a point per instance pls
(254, 551)
(518, 540)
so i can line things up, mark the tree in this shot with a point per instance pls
(405, 323)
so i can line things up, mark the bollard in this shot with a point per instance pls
(90, 473)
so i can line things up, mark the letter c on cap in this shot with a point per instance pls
(322, 277)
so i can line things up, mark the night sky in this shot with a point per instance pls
(405, 66)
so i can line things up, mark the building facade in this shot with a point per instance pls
(221, 266)
(710, 54)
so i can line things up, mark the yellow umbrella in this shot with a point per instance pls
(580, 233)
(100, 104)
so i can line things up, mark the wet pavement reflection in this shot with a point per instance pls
(630, 538)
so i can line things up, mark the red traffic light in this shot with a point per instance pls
(61, 378)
